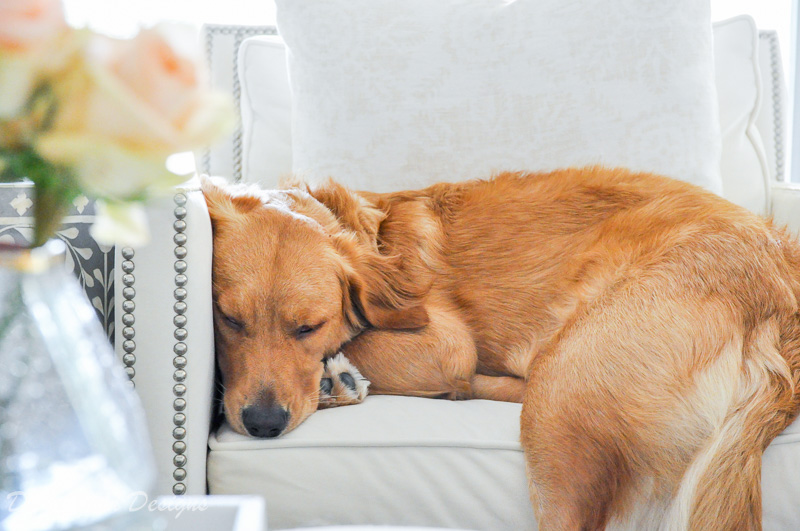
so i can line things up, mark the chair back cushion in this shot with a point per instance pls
(744, 163)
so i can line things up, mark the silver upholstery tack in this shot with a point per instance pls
(180, 349)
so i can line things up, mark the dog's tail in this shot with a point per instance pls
(722, 487)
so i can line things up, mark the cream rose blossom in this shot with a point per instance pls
(121, 223)
(135, 103)
(27, 25)
(28, 31)
(83, 113)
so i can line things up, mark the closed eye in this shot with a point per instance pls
(304, 331)
(233, 323)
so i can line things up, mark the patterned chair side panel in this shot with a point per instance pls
(91, 262)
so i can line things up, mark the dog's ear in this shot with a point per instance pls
(224, 206)
(376, 302)
(378, 294)
(352, 210)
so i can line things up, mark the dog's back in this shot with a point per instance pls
(657, 326)
(650, 328)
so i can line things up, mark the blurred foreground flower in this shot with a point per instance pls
(83, 113)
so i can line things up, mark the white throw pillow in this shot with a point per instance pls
(389, 95)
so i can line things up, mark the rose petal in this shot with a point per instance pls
(17, 78)
(213, 117)
(107, 169)
(120, 224)
(25, 24)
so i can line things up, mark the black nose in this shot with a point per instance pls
(265, 420)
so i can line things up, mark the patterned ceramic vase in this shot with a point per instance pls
(74, 450)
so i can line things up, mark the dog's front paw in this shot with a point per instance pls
(341, 384)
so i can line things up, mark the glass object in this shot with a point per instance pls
(74, 450)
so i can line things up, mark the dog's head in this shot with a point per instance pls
(294, 277)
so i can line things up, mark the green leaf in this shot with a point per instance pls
(55, 190)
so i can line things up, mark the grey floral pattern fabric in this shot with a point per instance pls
(92, 263)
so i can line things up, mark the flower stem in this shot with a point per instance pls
(12, 304)
(12, 307)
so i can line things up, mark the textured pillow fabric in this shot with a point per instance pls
(389, 95)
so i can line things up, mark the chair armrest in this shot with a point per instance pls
(169, 348)
(785, 208)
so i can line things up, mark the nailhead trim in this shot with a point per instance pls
(777, 103)
(179, 349)
(128, 319)
(239, 34)
(179, 474)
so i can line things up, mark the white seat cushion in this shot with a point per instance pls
(416, 461)
(389, 460)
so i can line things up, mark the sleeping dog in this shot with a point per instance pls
(650, 329)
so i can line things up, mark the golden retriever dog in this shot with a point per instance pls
(650, 329)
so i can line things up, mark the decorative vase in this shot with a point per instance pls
(74, 450)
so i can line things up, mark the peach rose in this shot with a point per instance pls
(34, 42)
(29, 24)
(133, 104)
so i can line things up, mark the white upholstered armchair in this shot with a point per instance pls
(391, 460)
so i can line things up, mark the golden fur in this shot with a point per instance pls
(650, 329)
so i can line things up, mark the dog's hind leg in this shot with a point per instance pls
(618, 406)
(501, 388)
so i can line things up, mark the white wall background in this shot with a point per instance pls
(122, 19)
(768, 14)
